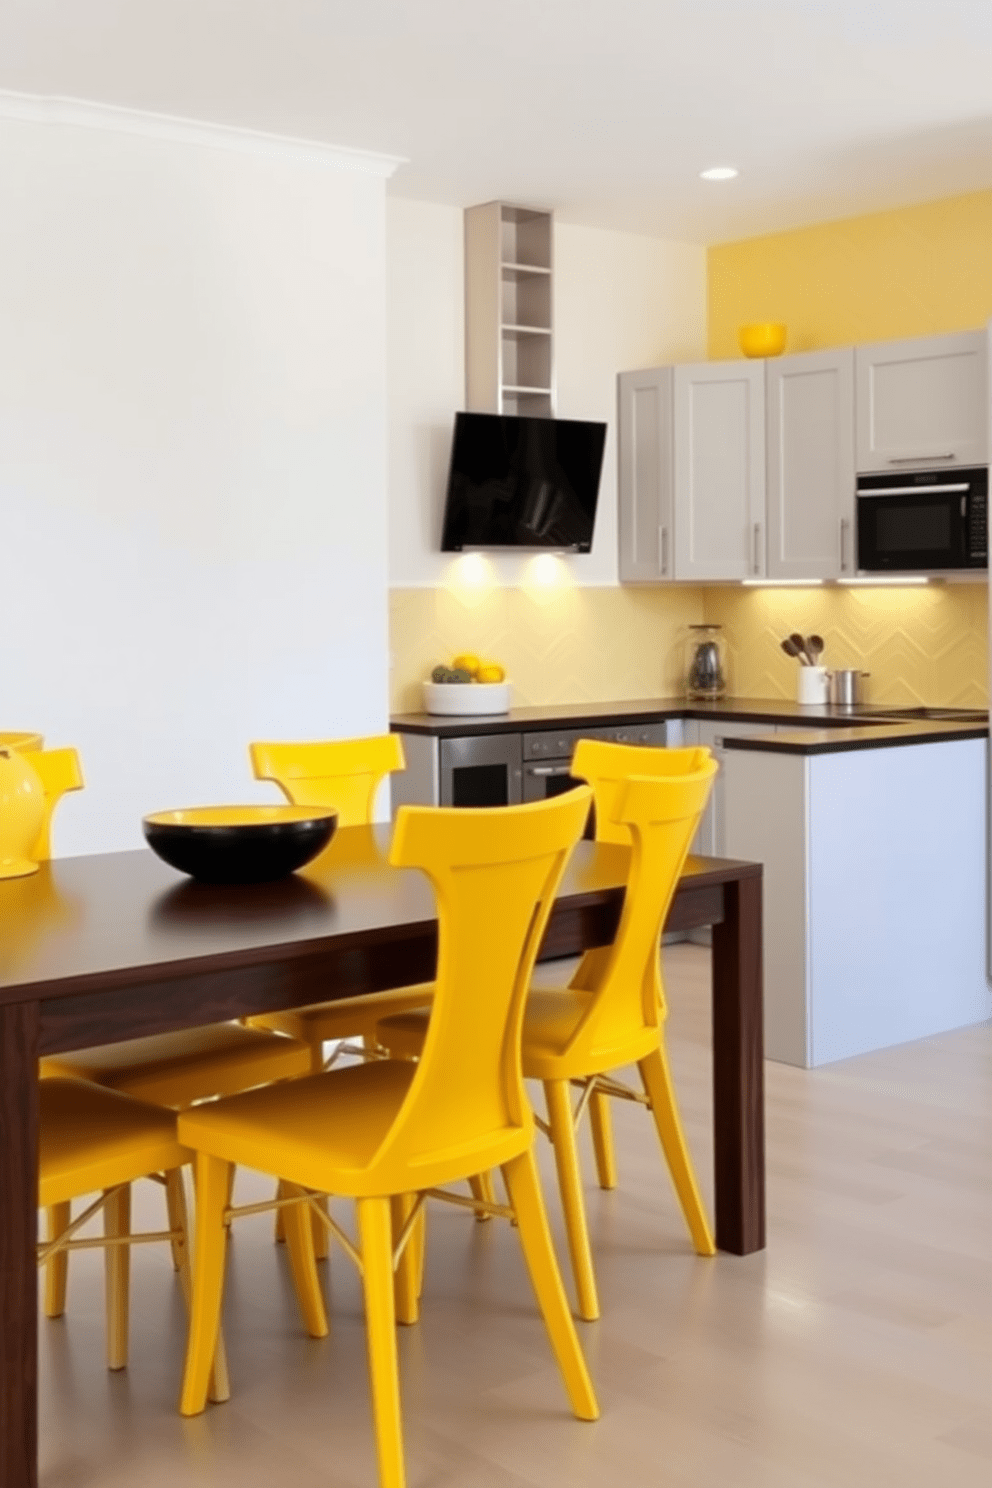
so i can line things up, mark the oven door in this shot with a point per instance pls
(480, 770)
(546, 779)
(920, 529)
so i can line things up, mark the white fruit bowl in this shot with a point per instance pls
(463, 698)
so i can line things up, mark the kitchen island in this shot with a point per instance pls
(874, 846)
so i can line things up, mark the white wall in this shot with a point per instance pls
(192, 461)
(621, 301)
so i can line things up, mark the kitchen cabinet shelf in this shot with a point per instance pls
(509, 344)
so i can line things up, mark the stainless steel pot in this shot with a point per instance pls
(845, 687)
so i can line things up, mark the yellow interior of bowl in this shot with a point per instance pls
(238, 816)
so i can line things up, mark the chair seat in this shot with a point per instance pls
(314, 1131)
(91, 1139)
(177, 1069)
(324, 1131)
(551, 1016)
(351, 1017)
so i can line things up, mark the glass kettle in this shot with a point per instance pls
(706, 662)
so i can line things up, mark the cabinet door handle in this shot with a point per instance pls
(757, 547)
(844, 525)
(663, 550)
(543, 770)
(918, 459)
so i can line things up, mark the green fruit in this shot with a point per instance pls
(458, 674)
(441, 674)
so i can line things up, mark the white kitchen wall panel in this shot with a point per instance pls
(193, 485)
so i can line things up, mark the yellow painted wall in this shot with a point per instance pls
(911, 272)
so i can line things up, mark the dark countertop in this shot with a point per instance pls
(819, 729)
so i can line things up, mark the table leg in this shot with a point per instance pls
(18, 1237)
(738, 1071)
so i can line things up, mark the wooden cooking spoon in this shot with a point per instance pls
(791, 649)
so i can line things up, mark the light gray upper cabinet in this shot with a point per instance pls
(810, 433)
(645, 515)
(719, 470)
(923, 402)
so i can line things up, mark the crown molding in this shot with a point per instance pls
(32, 108)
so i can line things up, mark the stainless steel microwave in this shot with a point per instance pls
(923, 521)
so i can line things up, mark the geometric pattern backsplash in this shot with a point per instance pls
(921, 645)
(561, 643)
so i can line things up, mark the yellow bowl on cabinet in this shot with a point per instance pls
(766, 339)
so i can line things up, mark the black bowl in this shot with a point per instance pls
(240, 844)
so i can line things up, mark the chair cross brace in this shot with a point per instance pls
(46, 1249)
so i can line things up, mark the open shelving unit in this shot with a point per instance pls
(509, 343)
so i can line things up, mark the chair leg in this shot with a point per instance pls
(481, 1185)
(117, 1270)
(524, 1189)
(409, 1270)
(321, 1244)
(212, 1175)
(57, 1269)
(175, 1205)
(601, 1125)
(299, 1242)
(219, 1388)
(661, 1093)
(558, 1096)
(375, 1231)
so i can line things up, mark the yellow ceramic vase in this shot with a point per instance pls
(22, 813)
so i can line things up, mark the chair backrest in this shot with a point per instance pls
(661, 814)
(343, 773)
(59, 771)
(607, 766)
(495, 873)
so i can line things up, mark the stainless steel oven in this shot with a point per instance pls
(923, 521)
(547, 755)
(480, 770)
(501, 768)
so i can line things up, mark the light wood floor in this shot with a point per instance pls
(857, 1350)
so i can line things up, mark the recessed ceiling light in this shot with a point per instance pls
(719, 173)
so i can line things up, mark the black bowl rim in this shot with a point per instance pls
(288, 815)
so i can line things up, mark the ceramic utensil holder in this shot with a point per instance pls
(813, 686)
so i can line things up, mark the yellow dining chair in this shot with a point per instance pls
(345, 774)
(612, 1012)
(605, 766)
(92, 1140)
(170, 1069)
(59, 771)
(388, 1133)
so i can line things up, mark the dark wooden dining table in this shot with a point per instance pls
(98, 949)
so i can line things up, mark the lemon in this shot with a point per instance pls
(466, 663)
(490, 671)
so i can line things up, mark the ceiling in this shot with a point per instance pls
(605, 110)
